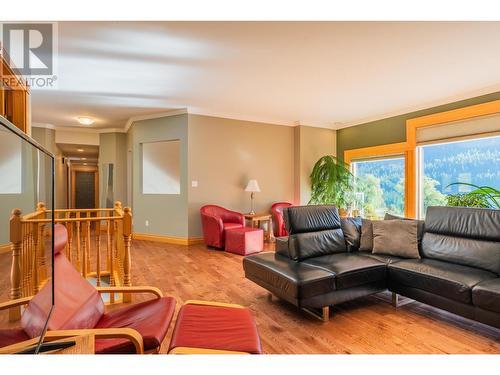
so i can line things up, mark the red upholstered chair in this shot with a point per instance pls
(79, 309)
(279, 223)
(215, 220)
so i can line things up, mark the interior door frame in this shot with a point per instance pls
(84, 168)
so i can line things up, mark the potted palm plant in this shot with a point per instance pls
(481, 196)
(332, 183)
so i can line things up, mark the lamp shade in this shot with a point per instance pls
(253, 186)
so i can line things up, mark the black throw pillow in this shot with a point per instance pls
(351, 226)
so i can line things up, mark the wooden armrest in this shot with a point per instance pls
(99, 333)
(130, 289)
(211, 303)
(103, 333)
(15, 303)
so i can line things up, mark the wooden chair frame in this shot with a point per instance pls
(99, 333)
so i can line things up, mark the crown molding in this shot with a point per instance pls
(260, 120)
(111, 130)
(173, 112)
(42, 125)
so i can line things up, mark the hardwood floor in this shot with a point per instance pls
(365, 326)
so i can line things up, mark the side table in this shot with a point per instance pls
(260, 221)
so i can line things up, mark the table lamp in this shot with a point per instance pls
(252, 187)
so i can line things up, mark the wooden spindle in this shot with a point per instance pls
(78, 243)
(15, 272)
(98, 252)
(69, 228)
(108, 245)
(24, 262)
(127, 237)
(84, 249)
(112, 281)
(42, 261)
(36, 238)
(89, 243)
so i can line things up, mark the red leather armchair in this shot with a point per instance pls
(79, 310)
(279, 223)
(215, 220)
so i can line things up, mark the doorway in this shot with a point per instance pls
(85, 187)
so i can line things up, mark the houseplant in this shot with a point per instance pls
(481, 196)
(332, 182)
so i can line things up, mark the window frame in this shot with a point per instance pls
(410, 148)
(380, 158)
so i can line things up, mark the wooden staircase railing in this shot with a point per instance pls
(98, 247)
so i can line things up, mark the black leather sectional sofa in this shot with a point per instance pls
(314, 268)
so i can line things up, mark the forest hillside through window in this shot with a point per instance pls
(380, 183)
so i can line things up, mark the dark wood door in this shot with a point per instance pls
(84, 189)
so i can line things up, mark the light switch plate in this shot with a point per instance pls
(194, 183)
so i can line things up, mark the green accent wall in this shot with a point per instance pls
(393, 129)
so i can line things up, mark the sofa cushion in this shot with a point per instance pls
(449, 280)
(384, 258)
(302, 219)
(467, 236)
(229, 226)
(396, 237)
(350, 269)
(351, 227)
(366, 239)
(151, 319)
(313, 244)
(12, 336)
(294, 280)
(486, 295)
(216, 328)
(420, 225)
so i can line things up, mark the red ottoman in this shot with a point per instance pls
(244, 241)
(214, 328)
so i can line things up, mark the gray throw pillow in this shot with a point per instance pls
(396, 237)
(366, 240)
(420, 225)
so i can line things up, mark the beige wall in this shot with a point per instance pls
(26, 200)
(47, 138)
(224, 154)
(310, 144)
(166, 214)
(221, 155)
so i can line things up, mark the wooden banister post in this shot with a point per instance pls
(16, 240)
(41, 261)
(127, 237)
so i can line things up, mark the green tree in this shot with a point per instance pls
(372, 199)
(432, 196)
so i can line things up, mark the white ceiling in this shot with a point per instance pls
(321, 74)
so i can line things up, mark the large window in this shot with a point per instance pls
(475, 161)
(380, 186)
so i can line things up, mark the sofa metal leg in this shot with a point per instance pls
(326, 313)
(395, 299)
(324, 316)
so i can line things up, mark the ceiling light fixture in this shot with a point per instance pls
(85, 120)
(80, 149)
(83, 158)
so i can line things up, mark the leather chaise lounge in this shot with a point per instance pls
(314, 268)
